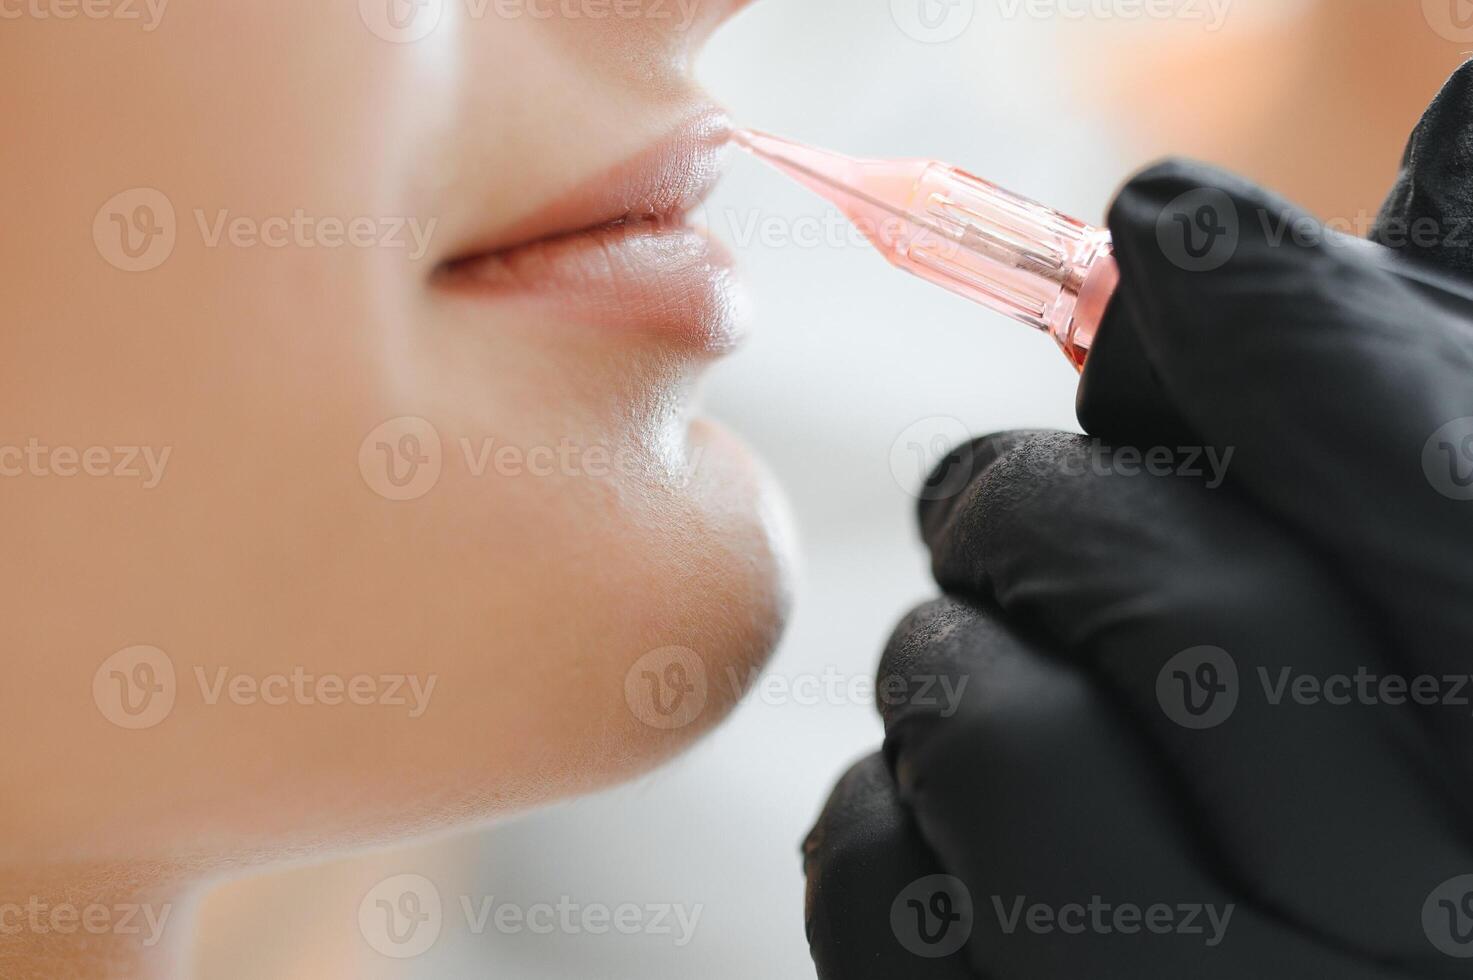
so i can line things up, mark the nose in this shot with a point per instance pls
(648, 37)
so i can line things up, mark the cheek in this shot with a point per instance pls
(289, 533)
(277, 191)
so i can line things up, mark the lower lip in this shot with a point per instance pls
(647, 277)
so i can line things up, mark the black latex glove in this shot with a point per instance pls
(1112, 638)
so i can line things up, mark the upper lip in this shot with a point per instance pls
(659, 184)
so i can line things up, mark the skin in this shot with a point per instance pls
(263, 549)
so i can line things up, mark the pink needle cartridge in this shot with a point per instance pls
(1008, 253)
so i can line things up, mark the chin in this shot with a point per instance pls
(626, 636)
(700, 613)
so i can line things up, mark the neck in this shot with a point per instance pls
(93, 922)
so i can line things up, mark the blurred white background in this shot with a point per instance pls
(849, 368)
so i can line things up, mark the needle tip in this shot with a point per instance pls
(745, 138)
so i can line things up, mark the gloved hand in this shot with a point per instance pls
(1196, 702)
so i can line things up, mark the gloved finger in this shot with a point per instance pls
(1428, 215)
(1156, 581)
(1032, 789)
(865, 865)
(1429, 212)
(1342, 389)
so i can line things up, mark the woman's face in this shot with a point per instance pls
(351, 484)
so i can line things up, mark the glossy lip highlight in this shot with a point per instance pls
(616, 250)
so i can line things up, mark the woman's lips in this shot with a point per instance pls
(640, 275)
(617, 251)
